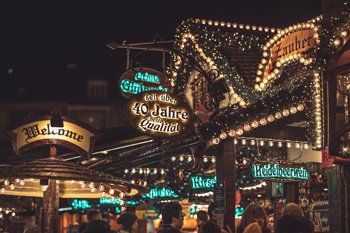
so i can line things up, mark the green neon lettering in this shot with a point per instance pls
(128, 86)
(276, 171)
(146, 77)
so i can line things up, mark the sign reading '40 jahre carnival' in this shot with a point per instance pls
(38, 131)
(279, 171)
(158, 114)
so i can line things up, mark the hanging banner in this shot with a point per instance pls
(294, 43)
(159, 114)
(78, 137)
(133, 82)
(279, 171)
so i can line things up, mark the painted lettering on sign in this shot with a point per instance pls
(276, 171)
(77, 137)
(295, 43)
(135, 82)
(158, 114)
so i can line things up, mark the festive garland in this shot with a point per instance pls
(267, 104)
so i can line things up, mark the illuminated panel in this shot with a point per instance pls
(158, 114)
(160, 193)
(277, 171)
(203, 182)
(135, 82)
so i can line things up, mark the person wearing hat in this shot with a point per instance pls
(129, 223)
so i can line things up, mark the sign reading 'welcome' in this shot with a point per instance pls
(76, 136)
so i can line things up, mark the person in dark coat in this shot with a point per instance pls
(129, 223)
(202, 217)
(172, 218)
(210, 227)
(291, 223)
(96, 224)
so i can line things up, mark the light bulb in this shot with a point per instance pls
(6, 182)
(22, 182)
(101, 188)
(126, 170)
(173, 158)
(205, 159)
(213, 160)
(111, 191)
(12, 186)
(279, 144)
(262, 143)
(181, 158)
(289, 144)
(244, 141)
(44, 187)
(83, 184)
(252, 142)
(271, 143)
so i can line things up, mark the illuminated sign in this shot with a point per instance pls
(277, 171)
(158, 114)
(160, 193)
(109, 201)
(73, 135)
(203, 182)
(135, 82)
(239, 211)
(81, 204)
(294, 43)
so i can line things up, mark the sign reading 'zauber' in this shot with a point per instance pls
(277, 171)
(158, 114)
(40, 132)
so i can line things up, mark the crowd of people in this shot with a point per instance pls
(254, 220)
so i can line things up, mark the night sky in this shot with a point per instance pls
(36, 36)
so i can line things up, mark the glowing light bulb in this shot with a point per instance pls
(252, 142)
(112, 191)
(205, 159)
(44, 187)
(262, 143)
(126, 170)
(289, 144)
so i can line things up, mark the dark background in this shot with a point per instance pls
(39, 36)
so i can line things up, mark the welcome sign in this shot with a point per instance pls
(73, 135)
(279, 171)
(135, 82)
(158, 114)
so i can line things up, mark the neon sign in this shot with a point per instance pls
(277, 171)
(109, 201)
(160, 193)
(135, 82)
(81, 204)
(158, 114)
(202, 182)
